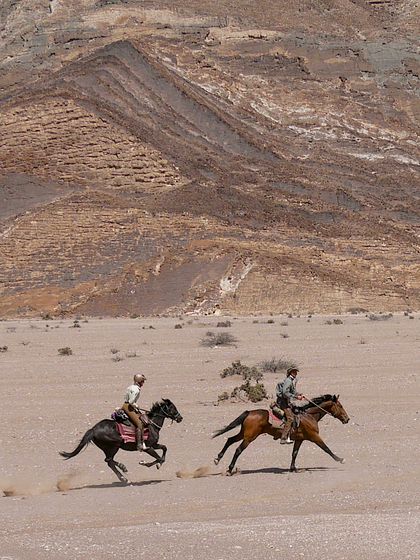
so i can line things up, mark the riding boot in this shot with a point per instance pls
(140, 443)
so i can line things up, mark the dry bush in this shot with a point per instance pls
(218, 339)
(117, 358)
(114, 350)
(284, 335)
(356, 310)
(284, 324)
(66, 351)
(178, 326)
(337, 322)
(270, 322)
(247, 391)
(131, 354)
(380, 317)
(277, 364)
(224, 324)
(4, 348)
(246, 372)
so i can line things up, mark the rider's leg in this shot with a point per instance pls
(288, 425)
(134, 418)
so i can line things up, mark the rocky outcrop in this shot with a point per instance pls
(156, 160)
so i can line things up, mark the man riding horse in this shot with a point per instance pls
(286, 395)
(132, 410)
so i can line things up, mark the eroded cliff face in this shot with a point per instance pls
(205, 157)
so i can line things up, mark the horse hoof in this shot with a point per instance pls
(124, 468)
(216, 461)
(293, 470)
(342, 461)
(158, 466)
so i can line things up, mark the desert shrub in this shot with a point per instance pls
(134, 316)
(178, 326)
(4, 348)
(284, 335)
(218, 339)
(246, 372)
(337, 321)
(46, 316)
(362, 341)
(66, 351)
(270, 321)
(328, 322)
(411, 316)
(277, 364)
(117, 358)
(255, 321)
(223, 396)
(224, 324)
(131, 354)
(284, 324)
(247, 390)
(356, 310)
(75, 325)
(381, 317)
(114, 350)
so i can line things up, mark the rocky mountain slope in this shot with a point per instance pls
(184, 156)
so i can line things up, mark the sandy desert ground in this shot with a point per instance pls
(367, 508)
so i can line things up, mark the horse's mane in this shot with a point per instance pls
(155, 407)
(317, 400)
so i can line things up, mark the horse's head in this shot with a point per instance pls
(337, 410)
(170, 410)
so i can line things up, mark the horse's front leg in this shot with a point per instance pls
(320, 443)
(164, 449)
(295, 452)
(158, 459)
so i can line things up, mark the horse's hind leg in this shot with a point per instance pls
(320, 443)
(109, 459)
(228, 443)
(238, 451)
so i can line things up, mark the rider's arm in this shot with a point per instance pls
(289, 390)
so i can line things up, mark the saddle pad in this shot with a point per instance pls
(274, 421)
(128, 433)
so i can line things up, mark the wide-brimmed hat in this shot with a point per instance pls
(291, 370)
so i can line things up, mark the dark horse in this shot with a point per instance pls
(106, 436)
(255, 422)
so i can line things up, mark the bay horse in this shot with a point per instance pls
(105, 435)
(255, 422)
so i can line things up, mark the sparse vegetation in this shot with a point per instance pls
(131, 354)
(247, 391)
(46, 316)
(75, 325)
(284, 335)
(380, 317)
(356, 310)
(246, 372)
(224, 324)
(218, 339)
(337, 322)
(362, 341)
(178, 326)
(284, 324)
(117, 358)
(270, 321)
(277, 364)
(114, 350)
(66, 351)
(223, 396)
(4, 348)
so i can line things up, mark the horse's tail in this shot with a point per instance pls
(237, 422)
(86, 439)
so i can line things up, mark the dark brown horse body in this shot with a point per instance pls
(254, 423)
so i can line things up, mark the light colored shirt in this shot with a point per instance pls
(287, 388)
(132, 395)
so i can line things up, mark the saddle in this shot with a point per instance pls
(121, 417)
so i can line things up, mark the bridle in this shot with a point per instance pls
(164, 415)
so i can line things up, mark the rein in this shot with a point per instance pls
(320, 407)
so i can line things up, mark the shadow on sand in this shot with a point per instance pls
(117, 484)
(278, 470)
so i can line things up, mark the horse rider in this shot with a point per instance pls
(286, 393)
(132, 410)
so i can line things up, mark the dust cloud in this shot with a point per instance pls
(26, 485)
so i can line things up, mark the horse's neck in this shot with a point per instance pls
(157, 419)
(316, 413)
